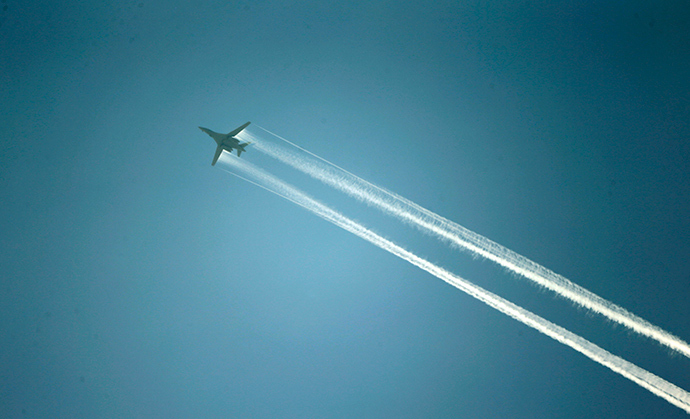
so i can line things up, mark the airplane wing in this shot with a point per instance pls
(238, 130)
(219, 150)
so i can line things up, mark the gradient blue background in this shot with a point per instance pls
(138, 281)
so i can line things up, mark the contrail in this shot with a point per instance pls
(657, 385)
(460, 237)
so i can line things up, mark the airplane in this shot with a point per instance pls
(226, 141)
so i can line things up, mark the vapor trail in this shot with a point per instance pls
(460, 237)
(657, 385)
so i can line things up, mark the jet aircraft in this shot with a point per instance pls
(227, 141)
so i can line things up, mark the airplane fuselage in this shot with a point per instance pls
(233, 144)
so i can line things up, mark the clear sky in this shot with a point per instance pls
(138, 281)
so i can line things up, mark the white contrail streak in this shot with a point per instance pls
(657, 385)
(427, 221)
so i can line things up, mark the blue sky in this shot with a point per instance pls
(139, 281)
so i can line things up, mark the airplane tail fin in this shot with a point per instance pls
(240, 148)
